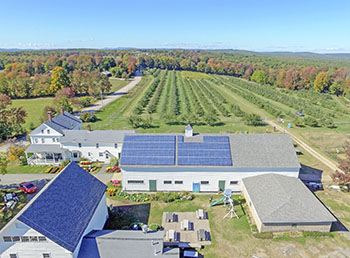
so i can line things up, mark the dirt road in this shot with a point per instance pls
(112, 97)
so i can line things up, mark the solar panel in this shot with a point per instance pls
(213, 151)
(148, 150)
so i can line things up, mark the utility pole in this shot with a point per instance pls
(101, 97)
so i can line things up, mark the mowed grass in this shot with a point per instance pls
(34, 108)
(117, 84)
(14, 167)
(233, 237)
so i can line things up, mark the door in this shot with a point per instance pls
(221, 185)
(153, 185)
(196, 187)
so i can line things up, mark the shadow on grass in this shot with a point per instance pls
(139, 211)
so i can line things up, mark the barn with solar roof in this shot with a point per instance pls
(203, 162)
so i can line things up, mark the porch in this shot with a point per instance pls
(45, 154)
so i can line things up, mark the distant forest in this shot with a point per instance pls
(45, 72)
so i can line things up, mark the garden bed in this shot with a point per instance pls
(5, 217)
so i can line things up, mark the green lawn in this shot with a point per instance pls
(117, 84)
(233, 237)
(15, 167)
(34, 108)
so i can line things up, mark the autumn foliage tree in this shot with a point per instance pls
(343, 178)
(11, 118)
(321, 82)
(59, 79)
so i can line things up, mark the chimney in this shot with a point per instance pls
(89, 127)
(188, 131)
(49, 114)
(62, 110)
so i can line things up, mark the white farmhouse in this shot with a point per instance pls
(94, 145)
(61, 138)
(55, 221)
(45, 139)
(203, 163)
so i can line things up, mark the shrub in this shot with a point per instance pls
(253, 119)
(85, 101)
(88, 117)
(263, 235)
(114, 162)
(154, 227)
(310, 121)
(299, 122)
(316, 234)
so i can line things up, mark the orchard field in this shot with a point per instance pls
(166, 100)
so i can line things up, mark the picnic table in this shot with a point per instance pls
(186, 224)
(200, 214)
(169, 217)
(170, 235)
(201, 235)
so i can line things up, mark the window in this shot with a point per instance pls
(7, 239)
(33, 239)
(97, 145)
(167, 182)
(57, 140)
(36, 140)
(116, 145)
(46, 255)
(48, 131)
(294, 225)
(25, 239)
(75, 154)
(42, 140)
(233, 182)
(42, 131)
(100, 154)
(53, 139)
(79, 145)
(135, 182)
(13, 256)
(204, 182)
(16, 239)
(42, 239)
(89, 154)
(179, 182)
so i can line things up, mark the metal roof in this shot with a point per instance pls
(64, 209)
(50, 148)
(284, 199)
(250, 151)
(126, 244)
(94, 136)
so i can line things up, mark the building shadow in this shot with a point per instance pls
(139, 211)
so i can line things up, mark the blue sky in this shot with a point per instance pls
(265, 25)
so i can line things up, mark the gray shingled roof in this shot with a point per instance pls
(94, 136)
(269, 151)
(64, 121)
(124, 243)
(263, 151)
(284, 199)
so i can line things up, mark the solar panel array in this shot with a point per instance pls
(148, 150)
(213, 151)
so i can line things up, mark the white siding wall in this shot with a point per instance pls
(85, 149)
(36, 249)
(192, 175)
(29, 249)
(41, 133)
(96, 223)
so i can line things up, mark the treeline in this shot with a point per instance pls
(28, 73)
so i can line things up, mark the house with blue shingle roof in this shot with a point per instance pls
(45, 139)
(55, 221)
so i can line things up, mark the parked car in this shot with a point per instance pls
(27, 187)
(300, 113)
